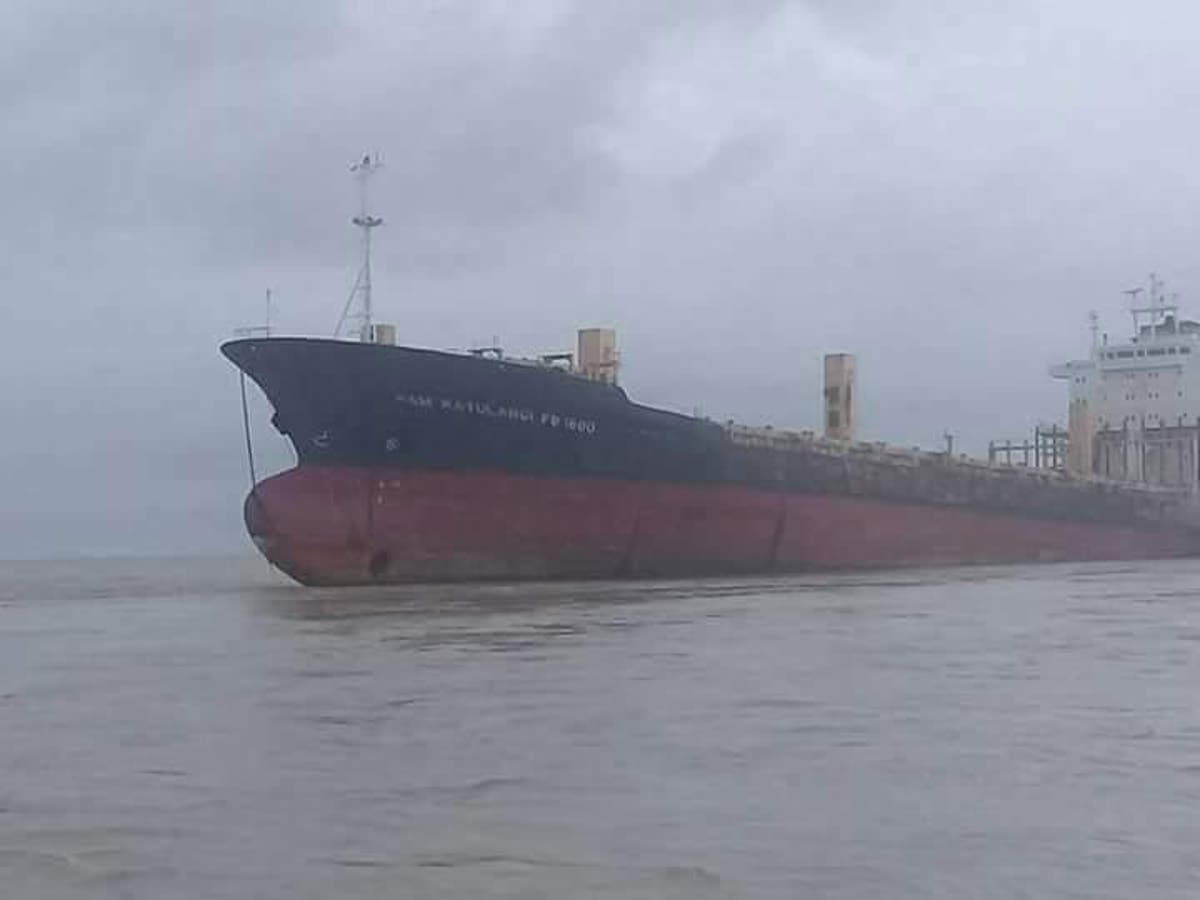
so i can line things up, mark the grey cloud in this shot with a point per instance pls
(226, 132)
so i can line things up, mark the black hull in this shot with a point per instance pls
(376, 407)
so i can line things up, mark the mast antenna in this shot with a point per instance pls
(363, 170)
(263, 329)
(1156, 302)
(1094, 325)
(1133, 294)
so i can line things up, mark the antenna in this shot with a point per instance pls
(1094, 325)
(363, 170)
(263, 329)
(1133, 294)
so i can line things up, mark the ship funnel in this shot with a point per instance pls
(597, 357)
(839, 396)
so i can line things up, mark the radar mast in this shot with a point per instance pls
(366, 222)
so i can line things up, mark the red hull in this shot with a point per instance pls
(327, 526)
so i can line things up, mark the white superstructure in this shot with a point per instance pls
(1133, 394)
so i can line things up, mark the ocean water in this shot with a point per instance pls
(201, 729)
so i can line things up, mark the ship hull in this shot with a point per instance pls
(416, 465)
(339, 525)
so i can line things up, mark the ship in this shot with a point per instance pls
(422, 465)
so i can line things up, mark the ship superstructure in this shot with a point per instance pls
(1134, 406)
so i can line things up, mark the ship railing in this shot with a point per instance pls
(783, 440)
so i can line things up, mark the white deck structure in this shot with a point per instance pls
(1134, 408)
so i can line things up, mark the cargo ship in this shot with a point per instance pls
(418, 465)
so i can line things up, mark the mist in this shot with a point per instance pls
(944, 192)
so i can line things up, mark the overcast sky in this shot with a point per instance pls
(943, 188)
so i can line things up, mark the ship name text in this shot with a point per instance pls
(542, 418)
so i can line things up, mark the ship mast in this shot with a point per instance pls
(363, 170)
(1133, 294)
(1157, 310)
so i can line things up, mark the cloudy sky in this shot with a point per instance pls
(944, 188)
